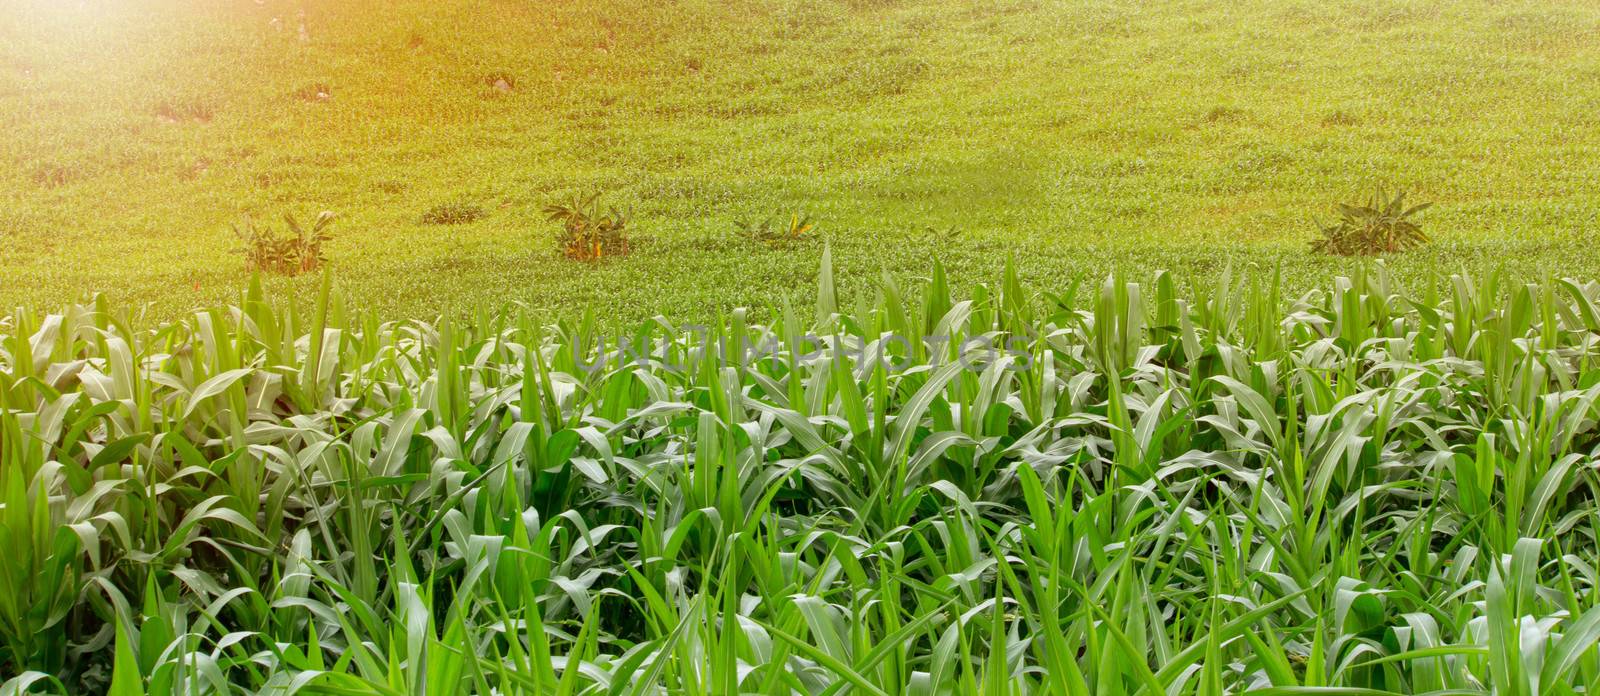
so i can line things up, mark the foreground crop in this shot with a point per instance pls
(1150, 492)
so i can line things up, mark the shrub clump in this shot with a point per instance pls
(52, 175)
(315, 92)
(298, 251)
(799, 227)
(179, 111)
(500, 82)
(587, 234)
(1382, 226)
(452, 214)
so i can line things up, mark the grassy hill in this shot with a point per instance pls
(1076, 136)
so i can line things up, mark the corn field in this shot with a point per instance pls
(1151, 489)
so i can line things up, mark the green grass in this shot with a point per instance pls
(1361, 490)
(1077, 135)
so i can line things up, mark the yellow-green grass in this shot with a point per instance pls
(1072, 135)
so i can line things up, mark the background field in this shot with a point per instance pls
(1373, 488)
(1075, 135)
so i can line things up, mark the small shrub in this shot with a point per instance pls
(52, 175)
(939, 237)
(1340, 118)
(176, 112)
(1224, 114)
(1382, 226)
(298, 251)
(315, 92)
(196, 170)
(500, 82)
(586, 234)
(452, 214)
(799, 226)
(270, 179)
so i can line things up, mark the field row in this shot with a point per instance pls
(1120, 488)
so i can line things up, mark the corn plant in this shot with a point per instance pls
(297, 251)
(798, 227)
(1382, 226)
(587, 234)
(1121, 488)
(452, 214)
